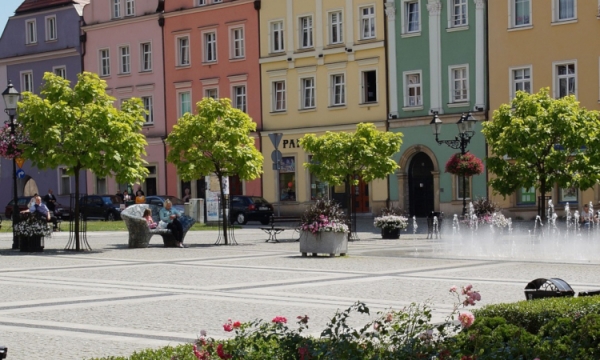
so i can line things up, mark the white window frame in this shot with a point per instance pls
(338, 24)
(305, 27)
(406, 16)
(62, 174)
(30, 32)
(235, 97)
(27, 80)
(556, 11)
(459, 187)
(237, 39)
(201, 2)
(556, 78)
(452, 5)
(116, 9)
(277, 26)
(362, 95)
(180, 112)
(279, 96)
(207, 44)
(146, 56)
(51, 34)
(333, 86)
(512, 15)
(408, 86)
(513, 82)
(370, 19)
(102, 59)
(451, 81)
(148, 102)
(217, 1)
(60, 71)
(179, 48)
(124, 60)
(210, 89)
(313, 90)
(129, 7)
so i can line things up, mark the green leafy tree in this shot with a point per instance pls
(346, 157)
(215, 141)
(538, 141)
(79, 128)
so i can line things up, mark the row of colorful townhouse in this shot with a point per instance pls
(311, 66)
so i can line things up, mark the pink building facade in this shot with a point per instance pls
(123, 44)
(211, 50)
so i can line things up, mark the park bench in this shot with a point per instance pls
(293, 223)
(139, 232)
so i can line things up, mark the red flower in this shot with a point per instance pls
(237, 324)
(222, 353)
(279, 319)
(467, 164)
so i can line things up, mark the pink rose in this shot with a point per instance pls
(466, 319)
(279, 320)
(453, 288)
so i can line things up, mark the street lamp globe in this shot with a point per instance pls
(436, 124)
(470, 121)
(11, 97)
(462, 124)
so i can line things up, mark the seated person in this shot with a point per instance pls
(139, 197)
(169, 215)
(148, 217)
(587, 216)
(41, 210)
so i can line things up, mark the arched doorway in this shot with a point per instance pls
(30, 187)
(420, 185)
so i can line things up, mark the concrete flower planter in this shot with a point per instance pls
(331, 243)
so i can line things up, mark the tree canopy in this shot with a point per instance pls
(538, 141)
(79, 128)
(216, 141)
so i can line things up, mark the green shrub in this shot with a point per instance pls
(533, 315)
(180, 352)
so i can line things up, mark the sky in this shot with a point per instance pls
(7, 9)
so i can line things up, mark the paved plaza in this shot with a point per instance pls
(115, 300)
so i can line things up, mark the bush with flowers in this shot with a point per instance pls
(467, 164)
(391, 222)
(33, 226)
(324, 216)
(10, 143)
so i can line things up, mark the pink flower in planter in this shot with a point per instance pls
(279, 320)
(466, 319)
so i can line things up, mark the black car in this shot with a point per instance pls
(249, 208)
(159, 201)
(103, 207)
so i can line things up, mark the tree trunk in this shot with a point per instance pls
(77, 216)
(543, 199)
(223, 209)
(349, 203)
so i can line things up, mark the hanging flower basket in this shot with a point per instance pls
(9, 143)
(467, 164)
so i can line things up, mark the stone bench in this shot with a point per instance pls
(139, 232)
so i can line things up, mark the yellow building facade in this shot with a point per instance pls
(323, 68)
(535, 44)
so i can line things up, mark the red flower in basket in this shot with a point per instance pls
(467, 164)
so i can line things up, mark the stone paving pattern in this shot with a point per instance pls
(114, 300)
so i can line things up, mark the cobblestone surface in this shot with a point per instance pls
(114, 300)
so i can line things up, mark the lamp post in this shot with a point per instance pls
(11, 97)
(465, 124)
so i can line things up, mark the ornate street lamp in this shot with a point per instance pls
(466, 126)
(11, 97)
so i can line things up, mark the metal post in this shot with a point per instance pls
(15, 214)
(463, 145)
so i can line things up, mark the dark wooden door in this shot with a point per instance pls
(420, 184)
(235, 186)
(361, 197)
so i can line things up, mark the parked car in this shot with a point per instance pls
(103, 207)
(249, 208)
(22, 202)
(159, 200)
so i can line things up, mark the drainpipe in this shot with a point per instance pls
(257, 7)
(387, 93)
(161, 23)
(487, 91)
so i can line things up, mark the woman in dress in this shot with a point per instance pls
(169, 215)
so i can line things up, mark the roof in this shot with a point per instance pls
(32, 5)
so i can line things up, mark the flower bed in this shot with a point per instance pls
(467, 164)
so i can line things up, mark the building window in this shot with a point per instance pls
(104, 62)
(459, 187)
(125, 66)
(149, 116)
(287, 179)
(336, 28)
(338, 90)
(308, 93)
(185, 103)
(27, 81)
(521, 12)
(521, 81)
(239, 96)
(569, 195)
(318, 188)
(277, 36)
(51, 28)
(201, 2)
(210, 47)
(459, 81)
(65, 182)
(412, 18)
(217, 1)
(237, 44)
(565, 10)
(129, 7)
(566, 80)
(459, 13)
(526, 196)
(101, 185)
(367, 21)
(116, 9)
(60, 71)
(183, 51)
(212, 93)
(30, 32)
(146, 56)
(369, 86)
(279, 96)
(413, 90)
(306, 32)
